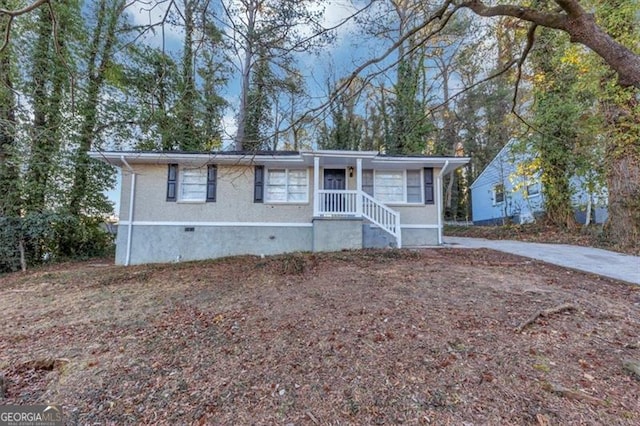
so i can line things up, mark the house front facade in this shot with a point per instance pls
(190, 206)
(509, 189)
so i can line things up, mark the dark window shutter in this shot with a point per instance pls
(428, 186)
(258, 190)
(172, 182)
(212, 182)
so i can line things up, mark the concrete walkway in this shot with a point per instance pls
(597, 261)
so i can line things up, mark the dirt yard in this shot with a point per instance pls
(439, 336)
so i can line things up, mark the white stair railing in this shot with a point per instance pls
(381, 215)
(337, 202)
(340, 203)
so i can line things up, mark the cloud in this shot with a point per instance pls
(151, 14)
(229, 128)
(337, 11)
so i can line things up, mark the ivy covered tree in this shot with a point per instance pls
(265, 34)
(257, 110)
(344, 127)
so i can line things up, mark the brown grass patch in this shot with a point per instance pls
(364, 337)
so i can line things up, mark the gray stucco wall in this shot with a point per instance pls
(169, 243)
(337, 234)
(375, 237)
(412, 237)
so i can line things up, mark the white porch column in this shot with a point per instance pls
(316, 186)
(440, 200)
(359, 187)
(439, 207)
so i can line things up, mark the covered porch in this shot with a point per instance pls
(343, 187)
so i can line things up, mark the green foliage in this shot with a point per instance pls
(258, 108)
(83, 237)
(49, 236)
(10, 232)
(174, 110)
(410, 128)
(344, 128)
(567, 125)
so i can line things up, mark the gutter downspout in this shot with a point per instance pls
(127, 258)
(440, 201)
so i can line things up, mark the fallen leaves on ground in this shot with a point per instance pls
(362, 337)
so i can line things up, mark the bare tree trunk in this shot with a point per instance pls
(624, 204)
(623, 180)
(587, 219)
(23, 261)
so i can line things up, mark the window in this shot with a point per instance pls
(287, 186)
(414, 187)
(389, 186)
(533, 189)
(191, 184)
(367, 181)
(498, 194)
(397, 186)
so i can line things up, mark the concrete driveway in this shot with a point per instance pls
(597, 261)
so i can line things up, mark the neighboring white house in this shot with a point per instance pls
(507, 190)
(186, 206)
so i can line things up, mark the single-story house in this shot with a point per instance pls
(187, 206)
(510, 189)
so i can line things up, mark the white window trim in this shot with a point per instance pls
(493, 194)
(286, 169)
(179, 198)
(404, 189)
(537, 194)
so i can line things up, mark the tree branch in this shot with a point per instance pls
(17, 12)
(551, 20)
(531, 38)
(581, 27)
(12, 13)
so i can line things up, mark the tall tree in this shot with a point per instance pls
(99, 59)
(49, 80)
(257, 110)
(185, 130)
(151, 79)
(561, 112)
(620, 106)
(267, 33)
(213, 74)
(10, 202)
(178, 101)
(410, 125)
(344, 127)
